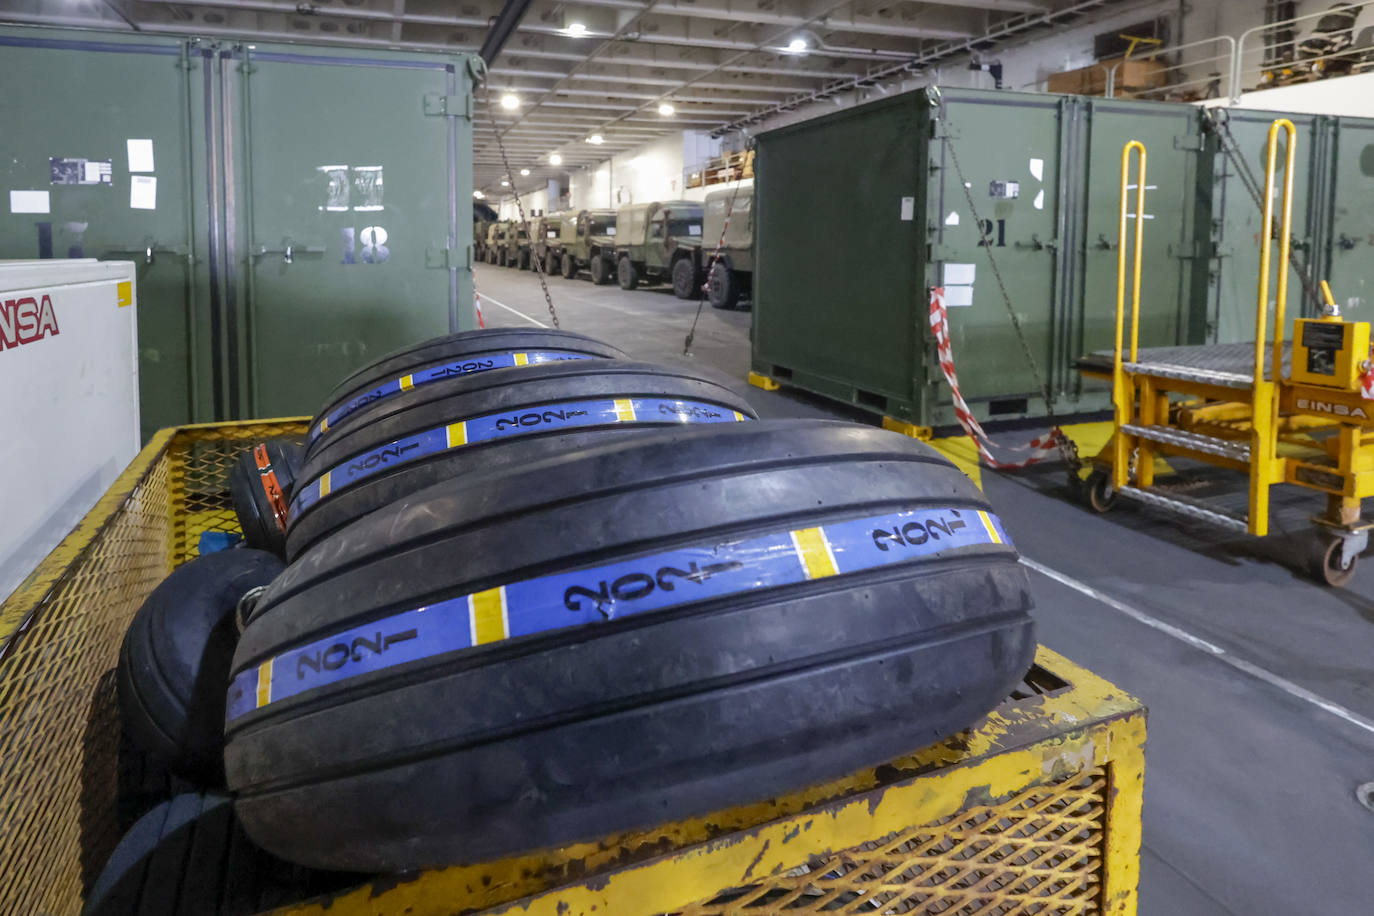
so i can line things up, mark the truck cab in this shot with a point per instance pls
(589, 242)
(660, 242)
(495, 241)
(547, 242)
(730, 274)
(517, 246)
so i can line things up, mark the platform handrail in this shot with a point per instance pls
(1265, 403)
(1123, 400)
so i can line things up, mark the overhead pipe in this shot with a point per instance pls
(502, 28)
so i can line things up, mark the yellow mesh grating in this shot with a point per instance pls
(1037, 852)
(200, 479)
(59, 724)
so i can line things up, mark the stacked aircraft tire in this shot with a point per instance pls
(654, 628)
(394, 447)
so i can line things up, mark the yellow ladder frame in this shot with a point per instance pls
(1123, 384)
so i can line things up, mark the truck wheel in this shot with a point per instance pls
(692, 647)
(174, 661)
(722, 291)
(626, 273)
(569, 267)
(551, 264)
(260, 487)
(403, 444)
(686, 283)
(190, 856)
(524, 261)
(600, 270)
(441, 358)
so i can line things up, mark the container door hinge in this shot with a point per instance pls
(1192, 143)
(447, 258)
(438, 105)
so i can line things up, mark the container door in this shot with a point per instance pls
(1352, 232)
(107, 175)
(347, 213)
(1237, 221)
(1173, 142)
(1008, 162)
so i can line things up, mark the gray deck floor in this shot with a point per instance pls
(1260, 683)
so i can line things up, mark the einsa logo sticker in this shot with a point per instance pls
(23, 321)
(1338, 410)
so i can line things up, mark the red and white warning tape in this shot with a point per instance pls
(477, 305)
(1040, 448)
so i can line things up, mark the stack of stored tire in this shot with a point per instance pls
(539, 593)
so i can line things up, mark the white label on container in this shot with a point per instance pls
(92, 172)
(952, 219)
(960, 274)
(1040, 199)
(29, 202)
(142, 192)
(908, 209)
(1037, 169)
(140, 155)
(959, 296)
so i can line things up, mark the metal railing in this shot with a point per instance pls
(1238, 68)
(1186, 64)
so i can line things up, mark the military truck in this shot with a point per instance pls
(589, 242)
(548, 241)
(730, 277)
(659, 242)
(480, 227)
(495, 241)
(517, 246)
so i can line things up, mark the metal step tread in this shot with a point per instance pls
(1184, 505)
(1197, 442)
(1243, 381)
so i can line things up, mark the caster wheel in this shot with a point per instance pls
(1326, 563)
(1101, 494)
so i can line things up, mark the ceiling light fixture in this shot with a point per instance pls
(555, 159)
(576, 29)
(505, 183)
(510, 101)
(666, 109)
(596, 139)
(478, 194)
(524, 172)
(797, 45)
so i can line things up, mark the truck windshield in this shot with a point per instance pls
(522, 234)
(682, 227)
(601, 226)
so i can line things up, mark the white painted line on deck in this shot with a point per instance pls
(485, 298)
(1212, 649)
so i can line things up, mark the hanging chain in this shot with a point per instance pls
(520, 208)
(715, 256)
(1221, 123)
(1067, 447)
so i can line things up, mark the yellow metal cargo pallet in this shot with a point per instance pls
(1035, 809)
(1277, 411)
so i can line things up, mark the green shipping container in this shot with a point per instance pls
(860, 213)
(846, 266)
(294, 211)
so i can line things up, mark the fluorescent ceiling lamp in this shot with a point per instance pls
(797, 45)
(524, 171)
(555, 159)
(505, 183)
(510, 101)
(576, 29)
(478, 194)
(596, 139)
(665, 109)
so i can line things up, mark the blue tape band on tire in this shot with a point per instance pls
(615, 590)
(520, 422)
(468, 365)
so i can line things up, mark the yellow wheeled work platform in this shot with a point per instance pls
(1278, 411)
(1034, 809)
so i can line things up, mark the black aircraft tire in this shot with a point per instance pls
(251, 488)
(174, 661)
(368, 445)
(755, 673)
(467, 348)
